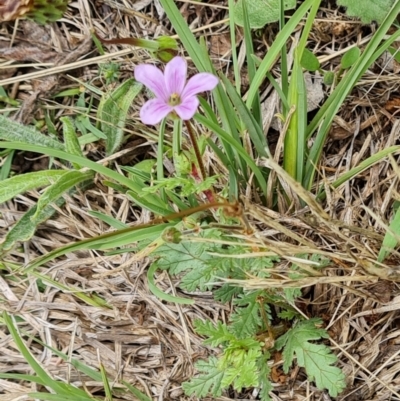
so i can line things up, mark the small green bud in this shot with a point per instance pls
(172, 235)
(167, 50)
(329, 77)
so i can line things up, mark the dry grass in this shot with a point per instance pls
(142, 339)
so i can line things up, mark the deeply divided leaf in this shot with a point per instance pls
(317, 359)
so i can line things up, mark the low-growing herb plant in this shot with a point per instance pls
(200, 233)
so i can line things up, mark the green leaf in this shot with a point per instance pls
(23, 349)
(62, 185)
(5, 168)
(246, 320)
(391, 237)
(109, 240)
(317, 359)
(187, 255)
(71, 140)
(21, 183)
(24, 229)
(217, 335)
(309, 61)
(367, 10)
(150, 202)
(261, 12)
(13, 131)
(209, 382)
(264, 372)
(239, 361)
(113, 111)
(329, 77)
(60, 397)
(226, 292)
(350, 57)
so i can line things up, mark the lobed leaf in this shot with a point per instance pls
(317, 359)
(206, 383)
(216, 334)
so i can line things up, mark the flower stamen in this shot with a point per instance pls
(174, 100)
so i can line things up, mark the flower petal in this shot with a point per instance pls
(175, 75)
(153, 78)
(153, 111)
(199, 83)
(187, 108)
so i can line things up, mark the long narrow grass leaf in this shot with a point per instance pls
(274, 50)
(23, 349)
(239, 149)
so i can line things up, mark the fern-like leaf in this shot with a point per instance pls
(246, 320)
(217, 335)
(264, 372)
(208, 382)
(317, 359)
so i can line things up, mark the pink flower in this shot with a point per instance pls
(172, 93)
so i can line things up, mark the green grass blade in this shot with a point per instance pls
(150, 202)
(364, 165)
(390, 240)
(239, 149)
(232, 30)
(111, 221)
(137, 393)
(22, 377)
(255, 130)
(74, 159)
(104, 241)
(5, 169)
(251, 65)
(294, 149)
(104, 379)
(274, 50)
(160, 158)
(88, 371)
(23, 349)
(90, 299)
(62, 397)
